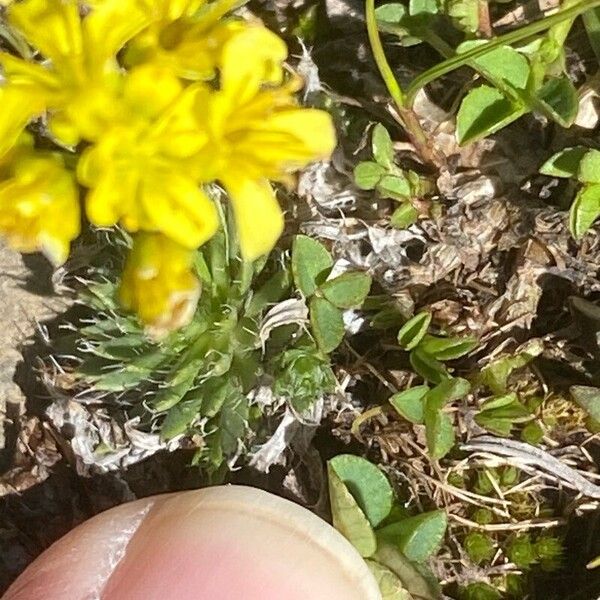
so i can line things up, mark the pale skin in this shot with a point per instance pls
(225, 543)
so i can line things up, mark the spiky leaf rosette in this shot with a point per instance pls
(195, 381)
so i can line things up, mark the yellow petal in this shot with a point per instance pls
(39, 207)
(252, 57)
(113, 197)
(258, 217)
(111, 25)
(158, 283)
(19, 105)
(150, 89)
(52, 26)
(175, 206)
(287, 140)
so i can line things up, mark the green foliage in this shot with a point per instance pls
(302, 374)
(311, 267)
(195, 382)
(368, 485)
(521, 551)
(582, 164)
(429, 352)
(424, 406)
(395, 544)
(479, 591)
(479, 547)
(499, 415)
(390, 180)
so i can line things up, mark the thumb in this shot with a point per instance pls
(223, 543)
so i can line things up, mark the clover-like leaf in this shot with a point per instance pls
(564, 163)
(327, 324)
(419, 585)
(368, 174)
(396, 187)
(584, 210)
(589, 167)
(485, 111)
(447, 348)
(404, 216)
(409, 403)
(428, 367)
(347, 290)
(383, 148)
(413, 331)
(348, 518)
(417, 537)
(439, 433)
(389, 583)
(368, 485)
(311, 263)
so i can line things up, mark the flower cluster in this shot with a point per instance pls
(144, 103)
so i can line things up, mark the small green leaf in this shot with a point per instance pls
(449, 390)
(409, 403)
(389, 583)
(587, 398)
(311, 263)
(327, 324)
(561, 100)
(368, 174)
(383, 148)
(348, 518)
(413, 331)
(417, 537)
(404, 216)
(347, 290)
(419, 587)
(439, 433)
(503, 63)
(591, 20)
(395, 186)
(584, 210)
(564, 163)
(428, 367)
(422, 7)
(484, 111)
(449, 348)
(367, 484)
(390, 14)
(499, 415)
(589, 167)
(532, 433)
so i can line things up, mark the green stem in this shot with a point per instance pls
(409, 119)
(512, 37)
(379, 54)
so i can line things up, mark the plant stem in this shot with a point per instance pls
(408, 117)
(512, 37)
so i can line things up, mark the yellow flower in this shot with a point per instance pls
(39, 203)
(139, 173)
(80, 75)
(187, 37)
(158, 283)
(257, 133)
